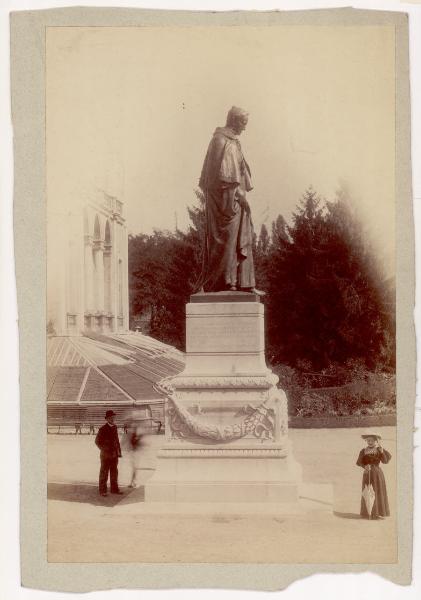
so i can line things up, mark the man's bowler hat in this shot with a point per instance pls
(110, 413)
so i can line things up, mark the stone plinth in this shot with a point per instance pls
(226, 424)
(225, 338)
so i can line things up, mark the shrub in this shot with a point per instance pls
(365, 393)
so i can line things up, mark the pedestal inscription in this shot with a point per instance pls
(225, 338)
(220, 334)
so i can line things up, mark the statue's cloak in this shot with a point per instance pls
(228, 258)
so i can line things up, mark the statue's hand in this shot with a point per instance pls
(240, 197)
(245, 206)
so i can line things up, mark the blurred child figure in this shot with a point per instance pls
(133, 444)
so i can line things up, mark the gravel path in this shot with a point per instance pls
(84, 527)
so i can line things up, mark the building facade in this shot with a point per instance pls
(87, 267)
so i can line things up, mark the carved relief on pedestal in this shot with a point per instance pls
(279, 397)
(250, 421)
(203, 413)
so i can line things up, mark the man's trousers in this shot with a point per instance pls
(108, 465)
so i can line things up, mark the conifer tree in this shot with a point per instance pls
(328, 301)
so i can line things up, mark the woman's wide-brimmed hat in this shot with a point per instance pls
(373, 434)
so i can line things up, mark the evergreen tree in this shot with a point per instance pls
(263, 242)
(327, 301)
(261, 258)
(296, 302)
(366, 328)
(164, 270)
(279, 231)
(148, 265)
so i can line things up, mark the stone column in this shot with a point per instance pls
(99, 267)
(125, 255)
(113, 279)
(107, 278)
(116, 272)
(89, 275)
(120, 320)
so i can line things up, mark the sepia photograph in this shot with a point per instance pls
(221, 260)
(221, 311)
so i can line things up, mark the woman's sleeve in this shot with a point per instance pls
(360, 459)
(385, 456)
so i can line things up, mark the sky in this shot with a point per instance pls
(131, 111)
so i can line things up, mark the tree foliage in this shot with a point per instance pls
(327, 301)
(164, 268)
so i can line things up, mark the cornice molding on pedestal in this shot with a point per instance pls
(226, 382)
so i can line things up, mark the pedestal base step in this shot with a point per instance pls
(311, 498)
(221, 492)
(215, 509)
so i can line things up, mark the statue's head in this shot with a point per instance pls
(237, 119)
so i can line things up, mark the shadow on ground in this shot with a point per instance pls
(88, 494)
(344, 515)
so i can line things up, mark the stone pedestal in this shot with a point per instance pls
(226, 424)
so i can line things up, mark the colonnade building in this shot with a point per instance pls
(87, 272)
(93, 360)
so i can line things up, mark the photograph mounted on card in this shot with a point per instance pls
(217, 347)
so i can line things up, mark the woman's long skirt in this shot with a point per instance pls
(381, 503)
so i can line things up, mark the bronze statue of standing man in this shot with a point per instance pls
(225, 180)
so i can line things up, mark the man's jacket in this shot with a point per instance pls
(108, 442)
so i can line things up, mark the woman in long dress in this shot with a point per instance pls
(369, 459)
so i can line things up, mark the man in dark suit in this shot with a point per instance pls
(109, 445)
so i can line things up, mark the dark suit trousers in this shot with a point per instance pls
(108, 465)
